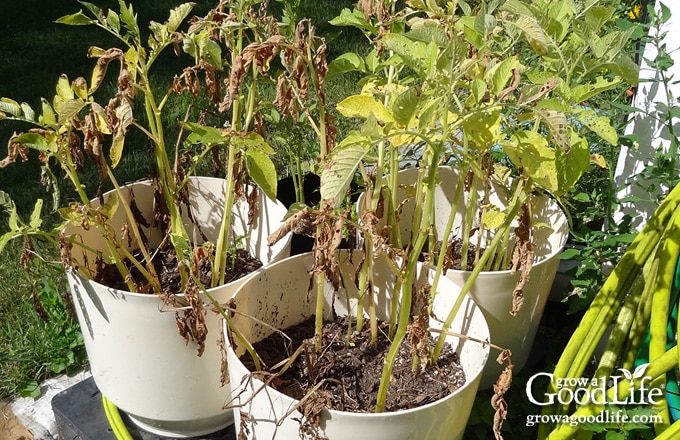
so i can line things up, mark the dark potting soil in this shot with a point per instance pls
(165, 262)
(352, 372)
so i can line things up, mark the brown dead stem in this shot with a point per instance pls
(522, 258)
(417, 331)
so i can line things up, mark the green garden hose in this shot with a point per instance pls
(113, 416)
(672, 386)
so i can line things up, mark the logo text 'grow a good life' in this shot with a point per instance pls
(635, 386)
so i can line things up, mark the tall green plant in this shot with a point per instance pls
(74, 127)
(497, 92)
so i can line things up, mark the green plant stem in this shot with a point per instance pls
(518, 199)
(219, 269)
(447, 231)
(470, 210)
(407, 278)
(318, 314)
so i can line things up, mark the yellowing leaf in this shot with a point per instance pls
(598, 160)
(482, 130)
(339, 168)
(529, 150)
(493, 219)
(100, 118)
(360, 106)
(124, 115)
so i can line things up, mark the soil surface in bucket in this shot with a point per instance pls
(351, 372)
(239, 264)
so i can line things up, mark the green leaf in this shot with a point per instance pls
(6, 238)
(48, 116)
(108, 209)
(10, 208)
(177, 16)
(202, 47)
(32, 140)
(569, 254)
(502, 73)
(428, 34)
(252, 140)
(201, 134)
(77, 19)
(360, 106)
(294, 209)
(583, 92)
(600, 125)
(94, 9)
(530, 151)
(405, 106)
(30, 389)
(113, 21)
(572, 163)
(354, 18)
(10, 106)
(347, 62)
(372, 61)
(483, 129)
(338, 171)
(129, 20)
(628, 69)
(534, 34)
(262, 170)
(477, 92)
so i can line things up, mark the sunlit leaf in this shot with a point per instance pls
(493, 219)
(482, 130)
(598, 160)
(338, 171)
(48, 116)
(534, 34)
(557, 125)
(32, 140)
(100, 119)
(530, 151)
(262, 170)
(124, 115)
(361, 106)
(347, 62)
(177, 16)
(35, 220)
(129, 19)
(77, 19)
(354, 18)
(11, 107)
(69, 109)
(598, 124)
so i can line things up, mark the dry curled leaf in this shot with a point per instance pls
(501, 386)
